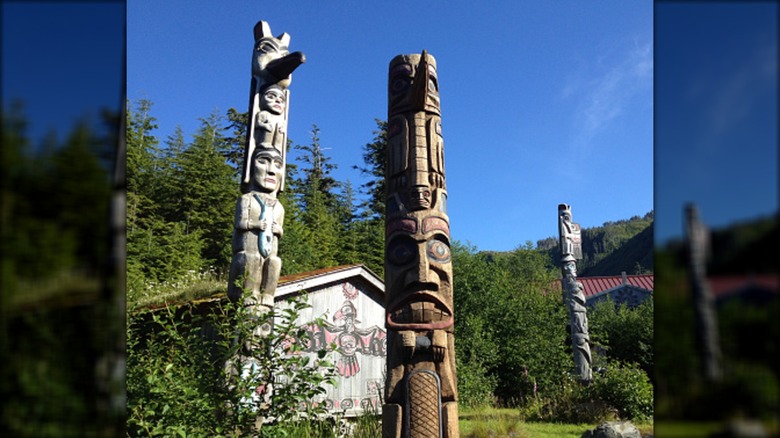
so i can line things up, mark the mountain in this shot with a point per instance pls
(741, 248)
(615, 247)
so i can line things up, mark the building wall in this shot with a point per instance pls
(354, 313)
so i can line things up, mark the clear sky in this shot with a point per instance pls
(64, 61)
(716, 118)
(543, 102)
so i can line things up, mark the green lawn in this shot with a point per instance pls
(507, 423)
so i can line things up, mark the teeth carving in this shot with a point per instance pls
(420, 312)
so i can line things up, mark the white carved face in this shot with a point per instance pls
(267, 169)
(273, 100)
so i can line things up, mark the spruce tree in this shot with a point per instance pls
(208, 191)
(318, 203)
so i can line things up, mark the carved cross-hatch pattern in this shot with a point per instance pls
(424, 418)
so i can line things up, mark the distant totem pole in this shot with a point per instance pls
(704, 309)
(255, 267)
(573, 292)
(421, 389)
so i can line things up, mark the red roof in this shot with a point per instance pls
(596, 285)
(725, 285)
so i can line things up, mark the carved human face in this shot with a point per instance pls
(419, 273)
(273, 100)
(267, 170)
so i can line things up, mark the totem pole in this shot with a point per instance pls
(706, 321)
(255, 267)
(421, 398)
(573, 292)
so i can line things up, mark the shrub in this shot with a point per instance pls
(176, 379)
(625, 387)
(626, 333)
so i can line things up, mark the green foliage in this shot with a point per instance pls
(509, 329)
(748, 332)
(178, 378)
(54, 199)
(625, 387)
(620, 391)
(626, 333)
(374, 157)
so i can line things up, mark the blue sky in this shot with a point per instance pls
(542, 102)
(716, 101)
(63, 61)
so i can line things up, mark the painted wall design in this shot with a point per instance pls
(355, 315)
(350, 340)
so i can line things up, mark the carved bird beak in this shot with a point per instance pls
(283, 67)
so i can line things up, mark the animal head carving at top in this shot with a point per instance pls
(413, 84)
(272, 62)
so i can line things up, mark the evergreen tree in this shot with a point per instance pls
(236, 141)
(159, 245)
(370, 228)
(374, 166)
(294, 248)
(208, 191)
(348, 226)
(318, 203)
(79, 202)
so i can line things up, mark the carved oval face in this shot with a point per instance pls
(418, 273)
(267, 171)
(273, 100)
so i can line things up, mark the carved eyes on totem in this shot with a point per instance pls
(438, 251)
(266, 47)
(399, 84)
(401, 252)
(265, 161)
(433, 86)
(404, 251)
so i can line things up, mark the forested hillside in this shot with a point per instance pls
(620, 246)
(743, 247)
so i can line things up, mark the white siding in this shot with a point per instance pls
(355, 315)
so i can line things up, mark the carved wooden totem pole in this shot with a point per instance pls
(255, 267)
(706, 321)
(573, 292)
(420, 390)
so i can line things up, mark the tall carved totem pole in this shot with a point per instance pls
(573, 292)
(255, 267)
(420, 390)
(704, 308)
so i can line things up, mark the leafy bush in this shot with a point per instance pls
(622, 391)
(625, 387)
(626, 333)
(177, 382)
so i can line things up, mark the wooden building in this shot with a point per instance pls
(351, 300)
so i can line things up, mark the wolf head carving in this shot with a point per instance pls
(272, 62)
